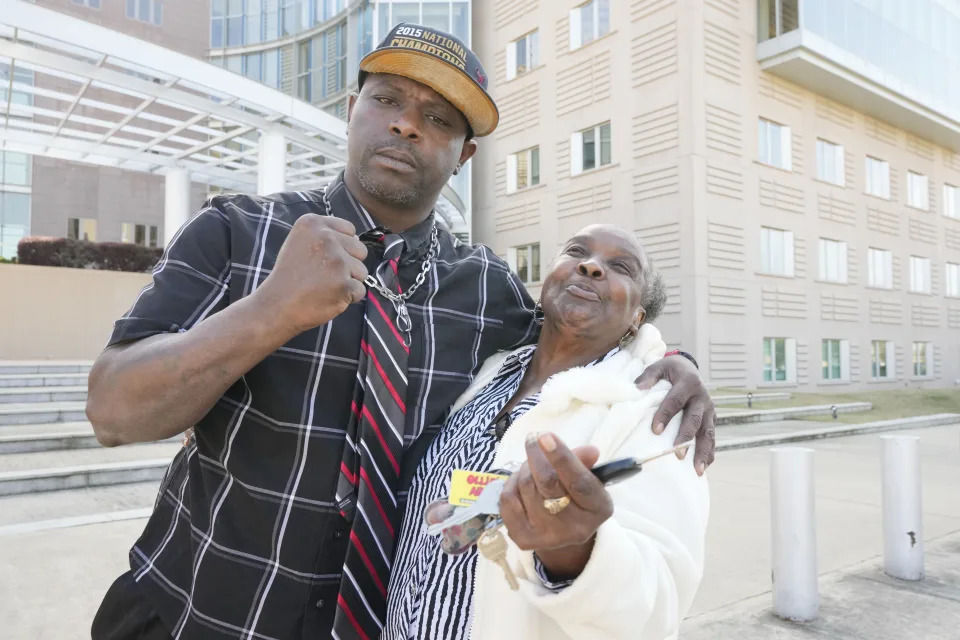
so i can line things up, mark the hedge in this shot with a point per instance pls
(80, 254)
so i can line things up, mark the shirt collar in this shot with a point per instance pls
(344, 205)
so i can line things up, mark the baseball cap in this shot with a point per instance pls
(440, 61)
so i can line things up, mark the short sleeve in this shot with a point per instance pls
(190, 283)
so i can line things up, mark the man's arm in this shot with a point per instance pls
(159, 386)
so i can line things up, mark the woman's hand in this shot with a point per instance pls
(563, 542)
(688, 394)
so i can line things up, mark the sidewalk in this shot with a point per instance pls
(856, 603)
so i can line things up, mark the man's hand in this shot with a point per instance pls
(563, 542)
(689, 395)
(318, 273)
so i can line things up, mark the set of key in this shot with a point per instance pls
(480, 523)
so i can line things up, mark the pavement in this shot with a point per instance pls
(857, 601)
(53, 578)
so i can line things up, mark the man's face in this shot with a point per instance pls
(404, 140)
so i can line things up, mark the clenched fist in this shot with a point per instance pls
(318, 273)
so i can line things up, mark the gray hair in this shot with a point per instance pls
(654, 296)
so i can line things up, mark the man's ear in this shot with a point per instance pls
(351, 102)
(469, 148)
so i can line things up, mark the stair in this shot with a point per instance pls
(53, 472)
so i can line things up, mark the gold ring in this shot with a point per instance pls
(556, 505)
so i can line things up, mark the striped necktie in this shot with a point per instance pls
(370, 468)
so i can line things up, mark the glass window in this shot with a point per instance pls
(271, 19)
(605, 144)
(253, 18)
(235, 31)
(535, 166)
(154, 236)
(918, 194)
(82, 229)
(774, 144)
(776, 252)
(774, 360)
(590, 156)
(951, 201)
(216, 33)
(405, 12)
(253, 67)
(830, 162)
(528, 263)
(271, 68)
(15, 168)
(525, 169)
(235, 64)
(461, 21)
(589, 149)
(919, 274)
(878, 177)
(952, 278)
(436, 15)
(833, 260)
(593, 19)
(830, 361)
(921, 360)
(879, 349)
(14, 221)
(879, 268)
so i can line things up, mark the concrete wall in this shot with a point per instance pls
(681, 86)
(61, 314)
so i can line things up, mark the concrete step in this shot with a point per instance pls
(33, 438)
(788, 413)
(31, 367)
(39, 413)
(43, 380)
(90, 502)
(58, 470)
(28, 395)
(741, 398)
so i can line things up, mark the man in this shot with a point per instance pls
(313, 394)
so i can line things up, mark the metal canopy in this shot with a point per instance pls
(81, 92)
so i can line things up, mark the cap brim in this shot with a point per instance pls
(451, 83)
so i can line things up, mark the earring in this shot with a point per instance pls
(627, 338)
(457, 170)
(538, 313)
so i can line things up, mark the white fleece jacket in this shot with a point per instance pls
(647, 561)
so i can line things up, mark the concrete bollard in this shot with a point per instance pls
(796, 594)
(902, 507)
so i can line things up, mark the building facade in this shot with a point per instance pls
(53, 197)
(311, 49)
(791, 166)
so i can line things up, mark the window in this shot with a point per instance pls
(919, 274)
(523, 169)
(918, 194)
(776, 17)
(951, 201)
(881, 358)
(833, 260)
(879, 269)
(523, 55)
(774, 144)
(830, 162)
(590, 148)
(15, 169)
(150, 11)
(878, 178)
(952, 279)
(137, 234)
(82, 229)
(835, 359)
(588, 22)
(776, 252)
(525, 261)
(14, 221)
(922, 352)
(92, 4)
(779, 359)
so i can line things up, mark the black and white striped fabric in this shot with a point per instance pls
(430, 596)
(246, 540)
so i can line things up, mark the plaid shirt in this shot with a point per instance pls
(245, 540)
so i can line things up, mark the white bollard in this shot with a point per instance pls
(796, 594)
(902, 507)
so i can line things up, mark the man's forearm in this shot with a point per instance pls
(158, 387)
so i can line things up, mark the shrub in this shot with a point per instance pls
(80, 254)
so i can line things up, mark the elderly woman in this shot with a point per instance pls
(592, 562)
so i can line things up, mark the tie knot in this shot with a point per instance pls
(393, 246)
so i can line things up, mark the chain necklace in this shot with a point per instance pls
(399, 300)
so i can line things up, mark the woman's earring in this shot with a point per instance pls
(627, 338)
(457, 170)
(538, 313)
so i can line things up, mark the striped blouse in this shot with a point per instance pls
(431, 593)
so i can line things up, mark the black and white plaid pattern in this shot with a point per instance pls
(245, 540)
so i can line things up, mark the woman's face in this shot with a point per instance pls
(595, 287)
